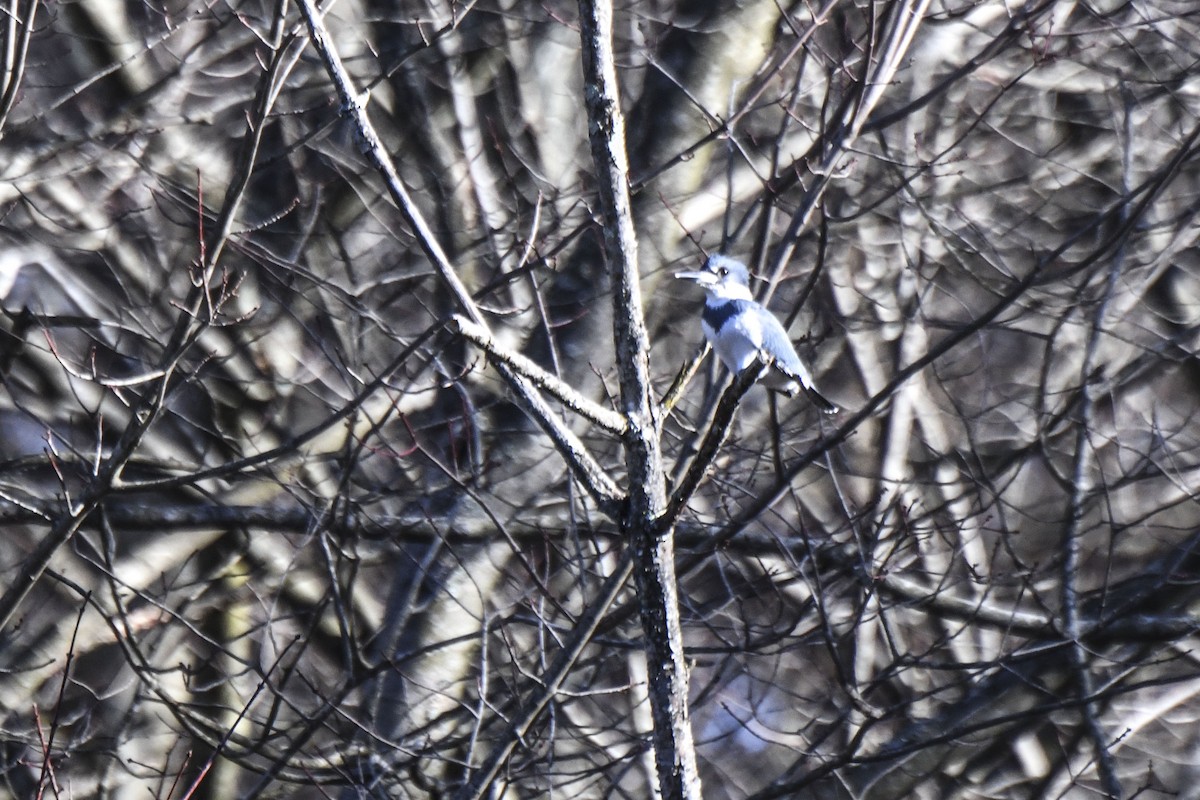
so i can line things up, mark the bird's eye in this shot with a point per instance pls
(723, 271)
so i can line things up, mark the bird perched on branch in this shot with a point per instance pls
(741, 330)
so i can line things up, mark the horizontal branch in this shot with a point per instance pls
(1133, 625)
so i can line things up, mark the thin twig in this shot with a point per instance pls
(1082, 493)
(552, 681)
(17, 55)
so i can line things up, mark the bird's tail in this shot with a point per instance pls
(819, 401)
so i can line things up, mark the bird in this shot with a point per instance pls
(741, 330)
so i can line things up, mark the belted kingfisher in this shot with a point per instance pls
(741, 330)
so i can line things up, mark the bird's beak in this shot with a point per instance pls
(702, 278)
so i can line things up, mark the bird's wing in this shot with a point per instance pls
(776, 341)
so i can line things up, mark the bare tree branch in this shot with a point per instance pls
(587, 470)
(609, 420)
(299, 493)
(653, 545)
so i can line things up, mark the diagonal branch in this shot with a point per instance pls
(552, 681)
(718, 430)
(611, 421)
(577, 456)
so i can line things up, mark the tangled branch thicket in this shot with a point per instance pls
(274, 526)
